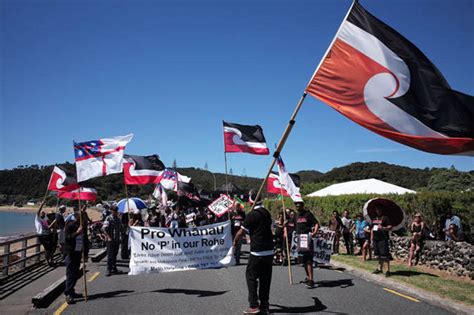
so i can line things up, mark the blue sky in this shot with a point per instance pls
(171, 71)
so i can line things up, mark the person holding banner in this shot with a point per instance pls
(258, 224)
(306, 228)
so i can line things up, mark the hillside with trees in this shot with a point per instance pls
(25, 183)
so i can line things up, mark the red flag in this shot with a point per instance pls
(85, 194)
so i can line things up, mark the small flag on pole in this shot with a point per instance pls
(380, 80)
(244, 138)
(291, 186)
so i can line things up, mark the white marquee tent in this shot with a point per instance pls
(364, 186)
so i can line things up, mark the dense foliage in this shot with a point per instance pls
(29, 182)
(432, 205)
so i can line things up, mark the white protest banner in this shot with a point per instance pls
(221, 205)
(156, 250)
(322, 245)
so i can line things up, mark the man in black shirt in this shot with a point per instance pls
(113, 231)
(306, 227)
(258, 224)
(73, 249)
(379, 236)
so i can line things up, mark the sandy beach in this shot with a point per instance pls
(94, 214)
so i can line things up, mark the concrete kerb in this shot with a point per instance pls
(431, 298)
(99, 255)
(49, 294)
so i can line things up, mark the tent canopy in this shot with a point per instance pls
(364, 186)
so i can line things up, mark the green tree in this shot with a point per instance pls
(450, 180)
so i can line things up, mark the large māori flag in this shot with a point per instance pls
(244, 138)
(377, 78)
(61, 180)
(142, 170)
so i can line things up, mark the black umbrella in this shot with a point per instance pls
(389, 208)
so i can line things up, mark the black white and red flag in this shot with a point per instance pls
(61, 180)
(244, 138)
(377, 78)
(187, 190)
(274, 186)
(142, 170)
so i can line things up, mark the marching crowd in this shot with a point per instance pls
(270, 239)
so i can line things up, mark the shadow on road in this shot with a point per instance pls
(199, 293)
(342, 283)
(331, 268)
(410, 273)
(317, 307)
(108, 295)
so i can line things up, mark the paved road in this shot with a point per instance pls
(223, 291)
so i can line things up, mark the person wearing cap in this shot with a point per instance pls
(258, 224)
(113, 230)
(73, 242)
(306, 228)
(417, 241)
(59, 225)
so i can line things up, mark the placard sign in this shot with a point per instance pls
(221, 205)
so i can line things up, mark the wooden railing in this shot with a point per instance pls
(26, 256)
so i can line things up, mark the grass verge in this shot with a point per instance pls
(458, 290)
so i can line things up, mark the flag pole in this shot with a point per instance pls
(288, 257)
(280, 145)
(128, 204)
(225, 160)
(289, 127)
(83, 245)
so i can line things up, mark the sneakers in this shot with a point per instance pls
(76, 295)
(310, 284)
(377, 271)
(252, 310)
(70, 300)
(109, 273)
(388, 274)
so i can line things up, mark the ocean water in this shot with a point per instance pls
(15, 223)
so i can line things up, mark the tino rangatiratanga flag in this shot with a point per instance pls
(61, 180)
(100, 157)
(380, 80)
(244, 138)
(142, 170)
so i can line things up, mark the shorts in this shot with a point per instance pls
(305, 258)
(381, 249)
(360, 241)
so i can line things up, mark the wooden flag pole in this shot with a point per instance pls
(83, 246)
(282, 142)
(225, 160)
(288, 257)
